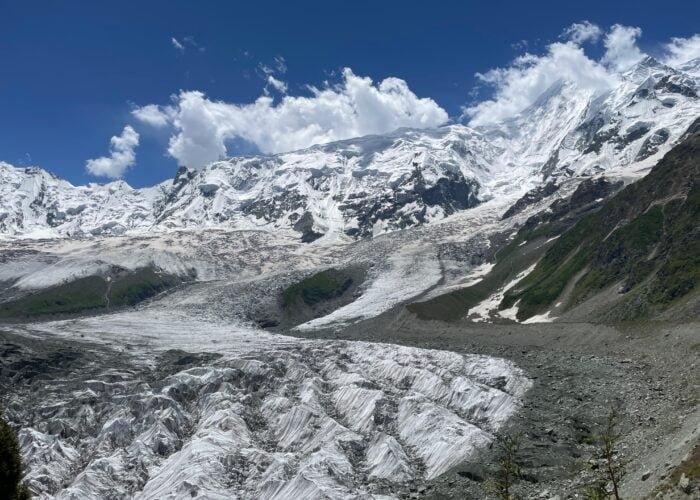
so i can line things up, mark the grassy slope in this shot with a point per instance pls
(510, 261)
(82, 294)
(317, 288)
(89, 294)
(647, 237)
(528, 246)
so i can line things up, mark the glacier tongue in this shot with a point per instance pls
(268, 417)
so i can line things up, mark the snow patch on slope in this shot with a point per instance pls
(484, 310)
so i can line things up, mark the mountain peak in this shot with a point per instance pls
(691, 67)
(377, 183)
(646, 68)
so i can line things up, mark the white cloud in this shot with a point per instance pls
(682, 50)
(519, 85)
(355, 107)
(265, 69)
(280, 64)
(121, 155)
(621, 47)
(278, 85)
(153, 115)
(277, 66)
(177, 44)
(358, 106)
(583, 32)
(187, 42)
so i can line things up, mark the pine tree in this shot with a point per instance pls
(11, 464)
(612, 468)
(508, 469)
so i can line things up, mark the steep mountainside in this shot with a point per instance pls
(644, 242)
(370, 185)
(357, 188)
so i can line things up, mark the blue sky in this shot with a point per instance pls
(73, 72)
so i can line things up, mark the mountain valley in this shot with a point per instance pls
(365, 318)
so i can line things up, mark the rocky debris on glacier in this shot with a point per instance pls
(646, 370)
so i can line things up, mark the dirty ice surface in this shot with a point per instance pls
(269, 417)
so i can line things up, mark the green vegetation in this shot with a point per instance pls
(11, 464)
(543, 231)
(690, 467)
(519, 254)
(565, 259)
(139, 286)
(508, 467)
(611, 468)
(83, 294)
(90, 294)
(529, 245)
(585, 247)
(680, 273)
(317, 288)
(646, 238)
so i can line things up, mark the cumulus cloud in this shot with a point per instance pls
(121, 155)
(621, 51)
(519, 85)
(682, 50)
(583, 32)
(153, 115)
(356, 106)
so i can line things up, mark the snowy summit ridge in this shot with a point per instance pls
(374, 184)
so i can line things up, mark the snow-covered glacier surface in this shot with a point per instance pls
(258, 416)
(408, 273)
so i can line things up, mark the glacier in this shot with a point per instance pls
(269, 417)
(239, 412)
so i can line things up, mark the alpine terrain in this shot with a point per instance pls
(368, 318)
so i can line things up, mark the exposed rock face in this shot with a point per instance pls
(684, 484)
(412, 202)
(652, 143)
(305, 225)
(530, 198)
(566, 211)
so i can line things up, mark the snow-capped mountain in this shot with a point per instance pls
(354, 187)
(138, 367)
(365, 186)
